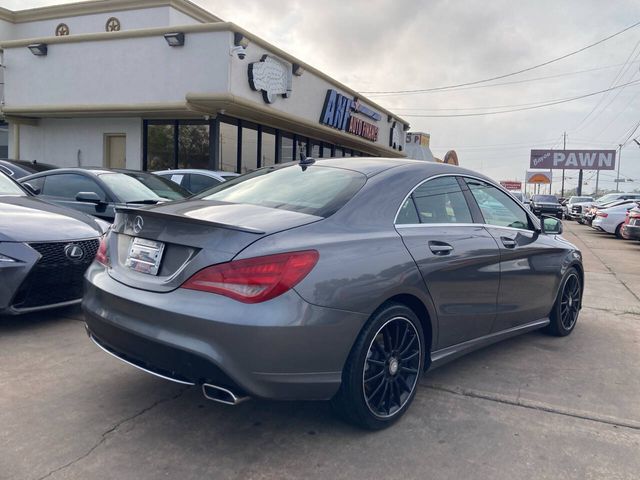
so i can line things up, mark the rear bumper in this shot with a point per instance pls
(285, 348)
(632, 231)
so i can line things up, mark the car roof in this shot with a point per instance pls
(95, 171)
(203, 171)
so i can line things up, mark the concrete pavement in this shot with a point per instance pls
(532, 407)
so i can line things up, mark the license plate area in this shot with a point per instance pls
(145, 256)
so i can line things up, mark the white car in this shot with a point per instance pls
(611, 219)
(196, 180)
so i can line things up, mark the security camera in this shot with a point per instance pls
(239, 51)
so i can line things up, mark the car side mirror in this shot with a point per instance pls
(551, 225)
(89, 197)
(31, 189)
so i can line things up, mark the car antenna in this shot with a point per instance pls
(305, 161)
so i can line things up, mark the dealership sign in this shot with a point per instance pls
(511, 184)
(338, 111)
(574, 159)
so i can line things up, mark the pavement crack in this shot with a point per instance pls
(106, 433)
(538, 406)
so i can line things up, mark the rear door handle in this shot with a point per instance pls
(440, 248)
(508, 242)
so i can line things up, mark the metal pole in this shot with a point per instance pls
(619, 161)
(564, 147)
(579, 189)
(597, 180)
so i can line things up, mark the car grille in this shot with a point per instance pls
(576, 209)
(55, 278)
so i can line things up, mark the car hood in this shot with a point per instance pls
(27, 219)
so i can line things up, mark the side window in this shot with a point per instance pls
(37, 183)
(408, 215)
(68, 185)
(497, 207)
(436, 201)
(198, 183)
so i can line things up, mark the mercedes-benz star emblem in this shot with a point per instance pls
(138, 223)
(74, 252)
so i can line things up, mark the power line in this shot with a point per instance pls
(546, 104)
(514, 82)
(543, 64)
(618, 76)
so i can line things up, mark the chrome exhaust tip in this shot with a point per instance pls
(221, 395)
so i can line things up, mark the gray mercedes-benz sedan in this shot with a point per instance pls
(341, 279)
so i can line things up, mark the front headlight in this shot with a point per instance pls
(5, 259)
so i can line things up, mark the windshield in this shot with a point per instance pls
(518, 195)
(580, 199)
(128, 189)
(545, 198)
(609, 197)
(8, 187)
(161, 186)
(314, 190)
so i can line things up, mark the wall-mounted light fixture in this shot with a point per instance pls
(175, 39)
(297, 70)
(38, 49)
(240, 40)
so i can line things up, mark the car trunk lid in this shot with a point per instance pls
(188, 236)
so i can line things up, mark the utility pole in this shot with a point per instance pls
(619, 159)
(564, 147)
(597, 180)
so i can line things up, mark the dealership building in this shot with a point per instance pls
(155, 84)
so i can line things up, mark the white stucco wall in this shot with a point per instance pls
(58, 141)
(6, 30)
(119, 71)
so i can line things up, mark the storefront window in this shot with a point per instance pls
(315, 150)
(249, 149)
(268, 148)
(228, 147)
(193, 149)
(287, 148)
(160, 144)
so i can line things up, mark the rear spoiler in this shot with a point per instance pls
(151, 213)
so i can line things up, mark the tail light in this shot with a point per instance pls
(602, 214)
(255, 280)
(102, 255)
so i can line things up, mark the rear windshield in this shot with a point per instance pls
(545, 198)
(314, 190)
(128, 189)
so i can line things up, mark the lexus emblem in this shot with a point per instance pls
(74, 252)
(138, 223)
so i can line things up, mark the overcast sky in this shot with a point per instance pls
(387, 45)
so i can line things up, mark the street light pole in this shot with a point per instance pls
(619, 160)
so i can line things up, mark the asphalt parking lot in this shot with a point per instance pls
(532, 407)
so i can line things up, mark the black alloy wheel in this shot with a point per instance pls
(381, 374)
(565, 311)
(391, 367)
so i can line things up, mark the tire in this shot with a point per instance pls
(619, 232)
(564, 314)
(381, 375)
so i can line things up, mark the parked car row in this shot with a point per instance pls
(337, 279)
(614, 213)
